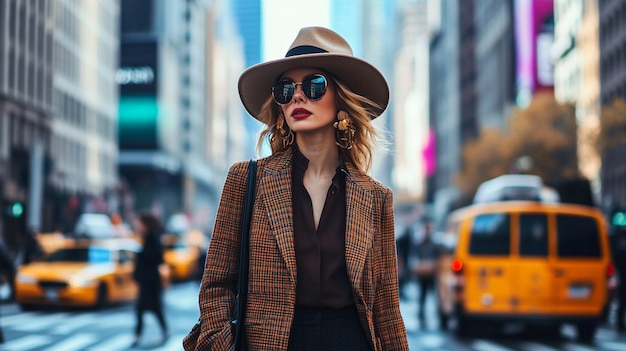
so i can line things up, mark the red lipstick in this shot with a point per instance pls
(299, 113)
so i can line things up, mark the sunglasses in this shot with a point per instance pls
(313, 87)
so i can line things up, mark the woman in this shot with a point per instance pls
(146, 273)
(322, 272)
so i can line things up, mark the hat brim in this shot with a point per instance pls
(255, 83)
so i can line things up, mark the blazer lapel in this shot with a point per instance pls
(275, 188)
(358, 224)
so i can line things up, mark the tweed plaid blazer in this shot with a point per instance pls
(370, 260)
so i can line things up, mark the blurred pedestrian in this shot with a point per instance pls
(423, 263)
(7, 270)
(147, 273)
(618, 246)
(403, 245)
(7, 273)
(323, 273)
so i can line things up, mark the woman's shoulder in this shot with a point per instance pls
(368, 182)
(276, 162)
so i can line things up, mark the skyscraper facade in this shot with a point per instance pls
(612, 18)
(163, 150)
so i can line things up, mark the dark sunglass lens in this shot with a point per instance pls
(314, 87)
(283, 92)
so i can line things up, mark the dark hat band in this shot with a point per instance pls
(305, 49)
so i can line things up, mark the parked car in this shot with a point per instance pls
(90, 273)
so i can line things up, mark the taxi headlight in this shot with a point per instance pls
(80, 281)
(25, 279)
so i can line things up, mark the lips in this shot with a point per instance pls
(300, 113)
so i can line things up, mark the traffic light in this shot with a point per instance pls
(619, 218)
(14, 209)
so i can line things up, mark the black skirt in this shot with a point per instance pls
(322, 329)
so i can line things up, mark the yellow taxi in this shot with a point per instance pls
(181, 258)
(527, 262)
(89, 273)
(50, 242)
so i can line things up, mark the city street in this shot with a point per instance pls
(112, 329)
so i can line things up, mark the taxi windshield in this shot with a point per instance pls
(91, 255)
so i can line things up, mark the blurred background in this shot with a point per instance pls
(118, 106)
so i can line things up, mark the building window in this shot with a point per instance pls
(12, 19)
(4, 137)
(31, 80)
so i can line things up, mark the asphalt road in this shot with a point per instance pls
(111, 329)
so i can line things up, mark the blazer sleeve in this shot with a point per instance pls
(217, 289)
(387, 318)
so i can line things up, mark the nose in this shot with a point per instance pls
(298, 93)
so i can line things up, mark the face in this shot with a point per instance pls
(304, 114)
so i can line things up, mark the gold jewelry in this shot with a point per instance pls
(285, 133)
(344, 133)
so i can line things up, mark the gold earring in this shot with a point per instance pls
(286, 135)
(344, 133)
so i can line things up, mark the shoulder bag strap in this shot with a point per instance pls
(242, 284)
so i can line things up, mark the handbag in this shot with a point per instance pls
(239, 308)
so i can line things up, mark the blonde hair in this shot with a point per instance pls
(361, 111)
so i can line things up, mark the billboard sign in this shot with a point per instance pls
(534, 38)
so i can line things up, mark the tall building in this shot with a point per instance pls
(468, 71)
(248, 18)
(84, 142)
(612, 17)
(58, 101)
(445, 113)
(534, 38)
(378, 48)
(568, 17)
(163, 163)
(577, 75)
(26, 114)
(247, 15)
(410, 87)
(495, 58)
(227, 141)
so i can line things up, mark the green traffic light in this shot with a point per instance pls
(619, 219)
(17, 209)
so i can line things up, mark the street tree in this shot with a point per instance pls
(539, 140)
(612, 132)
(484, 158)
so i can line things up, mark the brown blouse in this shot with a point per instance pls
(320, 254)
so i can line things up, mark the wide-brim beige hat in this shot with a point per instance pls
(321, 48)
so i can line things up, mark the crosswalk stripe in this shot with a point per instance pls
(18, 318)
(182, 304)
(31, 342)
(116, 320)
(603, 333)
(576, 347)
(120, 342)
(174, 343)
(41, 322)
(614, 346)
(69, 325)
(533, 346)
(431, 341)
(484, 345)
(74, 343)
